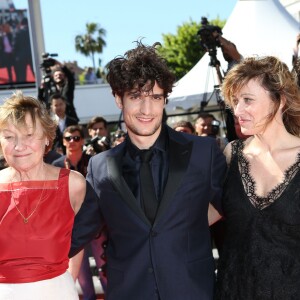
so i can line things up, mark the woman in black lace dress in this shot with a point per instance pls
(261, 254)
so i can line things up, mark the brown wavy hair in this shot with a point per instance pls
(275, 77)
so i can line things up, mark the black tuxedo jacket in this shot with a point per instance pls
(173, 258)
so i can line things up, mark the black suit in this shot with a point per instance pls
(171, 259)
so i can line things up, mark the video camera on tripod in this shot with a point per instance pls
(49, 85)
(209, 41)
(210, 36)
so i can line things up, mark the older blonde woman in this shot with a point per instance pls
(38, 203)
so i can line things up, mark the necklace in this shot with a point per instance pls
(26, 219)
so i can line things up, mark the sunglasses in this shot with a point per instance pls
(117, 136)
(75, 138)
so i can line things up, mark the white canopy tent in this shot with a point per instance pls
(256, 27)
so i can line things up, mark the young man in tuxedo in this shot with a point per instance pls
(158, 240)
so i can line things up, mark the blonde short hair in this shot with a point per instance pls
(15, 109)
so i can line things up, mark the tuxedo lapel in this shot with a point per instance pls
(114, 164)
(179, 161)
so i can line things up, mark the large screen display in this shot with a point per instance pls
(16, 64)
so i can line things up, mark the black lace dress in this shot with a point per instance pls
(261, 254)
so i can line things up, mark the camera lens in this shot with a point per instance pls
(215, 123)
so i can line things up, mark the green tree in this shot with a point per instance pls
(183, 50)
(91, 42)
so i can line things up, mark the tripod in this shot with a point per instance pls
(226, 113)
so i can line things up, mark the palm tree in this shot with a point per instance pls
(91, 42)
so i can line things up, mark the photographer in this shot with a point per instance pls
(211, 38)
(207, 125)
(97, 130)
(58, 78)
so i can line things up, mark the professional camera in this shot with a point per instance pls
(48, 83)
(215, 127)
(47, 62)
(208, 41)
(98, 148)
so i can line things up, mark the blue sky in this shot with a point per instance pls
(124, 22)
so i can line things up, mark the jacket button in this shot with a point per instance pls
(150, 270)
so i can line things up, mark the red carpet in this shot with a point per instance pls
(4, 76)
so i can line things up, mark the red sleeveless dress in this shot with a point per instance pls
(36, 250)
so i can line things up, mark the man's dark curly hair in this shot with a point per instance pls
(137, 68)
